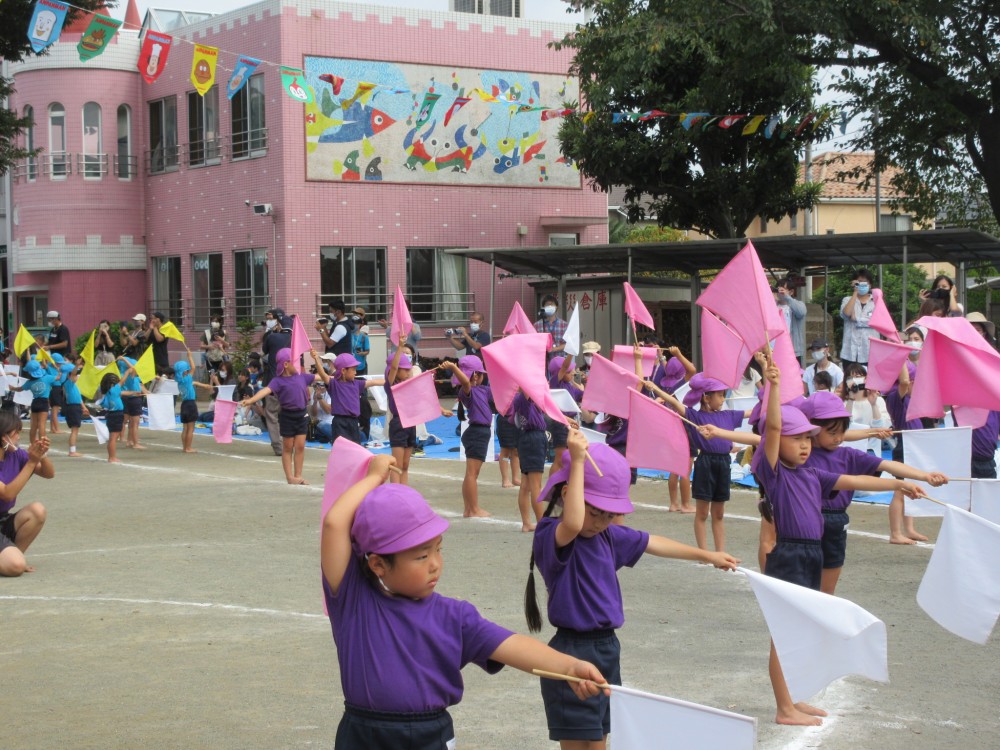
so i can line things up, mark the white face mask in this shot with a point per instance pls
(855, 381)
(819, 356)
(549, 310)
(864, 288)
(270, 323)
(918, 345)
(474, 327)
(588, 358)
(215, 326)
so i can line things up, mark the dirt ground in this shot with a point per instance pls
(177, 603)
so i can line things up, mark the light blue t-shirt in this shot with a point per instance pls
(112, 400)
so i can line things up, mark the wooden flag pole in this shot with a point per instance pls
(569, 678)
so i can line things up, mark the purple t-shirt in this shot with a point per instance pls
(10, 467)
(727, 419)
(406, 655)
(389, 398)
(292, 391)
(477, 404)
(796, 496)
(843, 460)
(984, 439)
(525, 415)
(345, 397)
(582, 578)
(616, 430)
(897, 405)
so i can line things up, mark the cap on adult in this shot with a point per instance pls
(590, 347)
(393, 518)
(52, 314)
(140, 317)
(359, 311)
(819, 344)
(609, 492)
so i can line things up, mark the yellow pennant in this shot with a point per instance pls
(169, 330)
(87, 355)
(751, 127)
(145, 368)
(203, 67)
(23, 341)
(90, 378)
(43, 356)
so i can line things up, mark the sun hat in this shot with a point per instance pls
(793, 422)
(283, 355)
(590, 347)
(329, 356)
(608, 493)
(359, 311)
(824, 405)
(181, 367)
(700, 385)
(404, 362)
(141, 317)
(556, 363)
(345, 359)
(393, 518)
(32, 369)
(978, 317)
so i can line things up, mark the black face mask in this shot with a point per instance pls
(356, 318)
(857, 388)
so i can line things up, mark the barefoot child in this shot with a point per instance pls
(114, 419)
(510, 463)
(132, 392)
(18, 530)
(41, 377)
(578, 555)
(346, 392)
(73, 408)
(400, 644)
(532, 445)
(670, 375)
(477, 400)
(186, 385)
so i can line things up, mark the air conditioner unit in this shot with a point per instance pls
(262, 209)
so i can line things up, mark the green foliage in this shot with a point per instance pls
(114, 330)
(618, 232)
(247, 333)
(892, 292)
(650, 233)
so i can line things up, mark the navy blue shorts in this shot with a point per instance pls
(796, 561)
(57, 396)
(114, 420)
(401, 437)
(558, 431)
(361, 729)
(476, 441)
(531, 448)
(345, 427)
(293, 422)
(189, 411)
(984, 468)
(568, 717)
(834, 538)
(507, 434)
(133, 406)
(7, 530)
(711, 477)
(39, 405)
(73, 414)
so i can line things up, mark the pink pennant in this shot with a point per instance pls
(518, 321)
(222, 424)
(518, 362)
(622, 355)
(741, 296)
(657, 439)
(784, 357)
(417, 400)
(958, 330)
(881, 320)
(300, 342)
(954, 372)
(885, 361)
(607, 387)
(635, 308)
(970, 416)
(401, 323)
(724, 355)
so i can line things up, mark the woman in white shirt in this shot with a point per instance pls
(866, 407)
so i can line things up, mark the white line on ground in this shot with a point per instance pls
(168, 603)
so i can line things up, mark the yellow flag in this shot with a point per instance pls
(203, 67)
(144, 366)
(169, 330)
(43, 356)
(23, 341)
(88, 351)
(751, 127)
(90, 377)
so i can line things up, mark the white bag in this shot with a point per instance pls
(376, 431)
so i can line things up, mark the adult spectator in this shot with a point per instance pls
(473, 339)
(277, 336)
(986, 328)
(856, 311)
(104, 347)
(794, 313)
(338, 329)
(944, 289)
(321, 410)
(159, 342)
(361, 345)
(59, 339)
(214, 344)
(819, 354)
(134, 340)
(551, 323)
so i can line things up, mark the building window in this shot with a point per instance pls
(563, 239)
(124, 160)
(252, 299)
(436, 286)
(163, 153)
(58, 159)
(203, 127)
(31, 310)
(93, 141)
(249, 128)
(206, 287)
(356, 274)
(895, 223)
(167, 288)
(31, 171)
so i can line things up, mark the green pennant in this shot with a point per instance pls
(97, 36)
(295, 85)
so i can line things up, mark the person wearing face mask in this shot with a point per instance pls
(473, 339)
(944, 289)
(277, 336)
(337, 330)
(794, 313)
(553, 325)
(819, 356)
(856, 312)
(214, 345)
(866, 407)
(17, 466)
(587, 350)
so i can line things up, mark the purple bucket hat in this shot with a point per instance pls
(608, 493)
(393, 518)
(700, 385)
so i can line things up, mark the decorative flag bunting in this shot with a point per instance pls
(23, 341)
(636, 309)
(417, 399)
(203, 67)
(518, 321)
(400, 324)
(518, 362)
(885, 362)
(153, 55)
(170, 330)
(607, 387)
(960, 589)
(881, 320)
(300, 342)
(571, 338)
(819, 637)
(46, 23)
(98, 35)
(295, 86)
(724, 355)
(623, 355)
(222, 424)
(245, 66)
(657, 438)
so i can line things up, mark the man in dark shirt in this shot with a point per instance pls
(59, 338)
(472, 339)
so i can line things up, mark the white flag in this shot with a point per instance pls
(819, 637)
(593, 436)
(226, 392)
(986, 499)
(101, 430)
(161, 411)
(167, 387)
(564, 401)
(572, 335)
(961, 588)
(947, 450)
(644, 720)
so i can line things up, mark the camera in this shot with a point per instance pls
(449, 331)
(324, 321)
(942, 294)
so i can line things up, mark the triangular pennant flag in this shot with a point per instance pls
(23, 340)
(518, 362)
(160, 407)
(400, 323)
(460, 101)
(153, 55)
(87, 355)
(417, 400)
(881, 320)
(42, 355)
(518, 321)
(607, 387)
(819, 637)
(145, 367)
(171, 331)
(885, 362)
(362, 92)
(657, 438)
(724, 355)
(635, 308)
(300, 342)
(623, 355)
(46, 23)
(294, 83)
(753, 124)
(571, 338)
(203, 67)
(96, 38)
(245, 67)
(89, 380)
(960, 589)
(222, 425)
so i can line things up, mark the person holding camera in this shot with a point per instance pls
(944, 290)
(856, 312)
(337, 330)
(104, 347)
(472, 339)
(134, 340)
(214, 344)
(794, 313)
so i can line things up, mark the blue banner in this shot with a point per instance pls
(46, 23)
(245, 66)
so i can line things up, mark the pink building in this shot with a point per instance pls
(426, 133)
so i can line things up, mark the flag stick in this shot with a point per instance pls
(594, 464)
(569, 678)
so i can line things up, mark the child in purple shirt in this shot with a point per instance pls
(401, 646)
(476, 398)
(346, 392)
(561, 371)
(291, 388)
(578, 555)
(18, 530)
(532, 445)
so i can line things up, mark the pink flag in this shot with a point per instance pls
(724, 355)
(635, 308)
(791, 373)
(881, 320)
(417, 400)
(970, 416)
(622, 355)
(955, 373)
(885, 360)
(607, 387)
(518, 362)
(741, 296)
(222, 425)
(401, 323)
(518, 321)
(657, 439)
(957, 329)
(300, 343)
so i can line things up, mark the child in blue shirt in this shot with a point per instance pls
(112, 401)
(41, 377)
(73, 408)
(186, 385)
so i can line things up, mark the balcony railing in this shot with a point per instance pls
(248, 144)
(204, 153)
(92, 166)
(57, 164)
(125, 167)
(431, 308)
(163, 159)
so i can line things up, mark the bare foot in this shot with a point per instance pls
(517, 482)
(916, 536)
(74, 454)
(899, 539)
(687, 509)
(797, 718)
(190, 450)
(674, 509)
(506, 485)
(297, 480)
(139, 447)
(527, 528)
(57, 432)
(477, 513)
(810, 710)
(114, 460)
(29, 568)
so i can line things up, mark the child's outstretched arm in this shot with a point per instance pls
(372, 382)
(461, 377)
(877, 484)
(574, 508)
(772, 432)
(710, 431)
(689, 368)
(335, 545)
(261, 394)
(526, 654)
(669, 400)
(321, 373)
(899, 469)
(661, 546)
(882, 433)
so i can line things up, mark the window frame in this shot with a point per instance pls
(203, 146)
(247, 141)
(170, 151)
(59, 165)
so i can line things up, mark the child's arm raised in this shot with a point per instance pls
(321, 373)
(661, 546)
(394, 365)
(772, 432)
(335, 545)
(689, 368)
(526, 654)
(574, 508)
(461, 377)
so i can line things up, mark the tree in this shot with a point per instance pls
(684, 56)
(15, 15)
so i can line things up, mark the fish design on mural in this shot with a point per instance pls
(358, 122)
(348, 169)
(435, 154)
(372, 171)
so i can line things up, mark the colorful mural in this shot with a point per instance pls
(392, 122)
